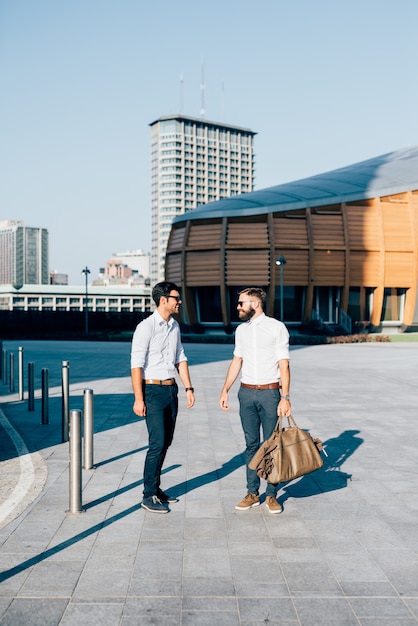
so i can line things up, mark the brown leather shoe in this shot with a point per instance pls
(273, 506)
(248, 502)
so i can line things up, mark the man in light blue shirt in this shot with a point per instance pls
(157, 355)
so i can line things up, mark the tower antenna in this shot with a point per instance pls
(181, 93)
(202, 90)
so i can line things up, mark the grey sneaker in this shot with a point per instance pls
(250, 500)
(154, 505)
(165, 498)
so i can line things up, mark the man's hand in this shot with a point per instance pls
(223, 400)
(190, 398)
(283, 408)
(140, 408)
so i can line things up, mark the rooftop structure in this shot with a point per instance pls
(349, 238)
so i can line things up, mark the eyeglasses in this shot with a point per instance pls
(241, 302)
(177, 298)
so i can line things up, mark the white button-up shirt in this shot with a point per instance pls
(261, 343)
(156, 347)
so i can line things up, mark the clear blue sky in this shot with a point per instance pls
(324, 84)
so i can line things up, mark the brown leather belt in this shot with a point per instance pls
(267, 386)
(168, 381)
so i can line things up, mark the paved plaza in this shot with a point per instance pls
(343, 552)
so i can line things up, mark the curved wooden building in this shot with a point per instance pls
(349, 239)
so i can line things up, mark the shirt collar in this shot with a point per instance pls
(161, 321)
(257, 320)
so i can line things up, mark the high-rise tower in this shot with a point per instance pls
(193, 162)
(23, 254)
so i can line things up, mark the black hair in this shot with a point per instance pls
(163, 289)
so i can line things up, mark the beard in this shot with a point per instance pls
(246, 315)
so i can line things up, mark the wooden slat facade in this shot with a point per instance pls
(203, 268)
(370, 244)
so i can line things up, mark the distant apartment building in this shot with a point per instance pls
(125, 268)
(23, 254)
(193, 162)
(56, 278)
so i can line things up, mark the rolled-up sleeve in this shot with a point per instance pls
(180, 354)
(140, 343)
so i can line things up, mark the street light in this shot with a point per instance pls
(86, 273)
(281, 262)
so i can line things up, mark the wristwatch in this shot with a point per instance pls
(285, 397)
(189, 389)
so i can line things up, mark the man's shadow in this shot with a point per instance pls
(330, 476)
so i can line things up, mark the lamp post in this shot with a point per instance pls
(281, 262)
(86, 273)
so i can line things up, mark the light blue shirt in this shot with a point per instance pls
(156, 347)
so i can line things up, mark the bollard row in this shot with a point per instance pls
(71, 422)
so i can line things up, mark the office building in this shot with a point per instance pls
(23, 254)
(193, 162)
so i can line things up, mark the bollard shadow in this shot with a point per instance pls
(110, 411)
(119, 492)
(330, 477)
(17, 569)
(120, 456)
(198, 481)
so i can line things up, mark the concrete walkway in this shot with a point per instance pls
(344, 551)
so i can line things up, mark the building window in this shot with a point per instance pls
(293, 303)
(393, 304)
(208, 304)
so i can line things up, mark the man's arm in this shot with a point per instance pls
(139, 407)
(231, 376)
(284, 405)
(183, 370)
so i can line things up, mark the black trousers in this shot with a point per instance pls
(162, 407)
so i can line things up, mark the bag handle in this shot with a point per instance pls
(290, 422)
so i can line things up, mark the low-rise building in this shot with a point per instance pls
(73, 298)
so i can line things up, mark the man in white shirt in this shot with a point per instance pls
(262, 353)
(156, 356)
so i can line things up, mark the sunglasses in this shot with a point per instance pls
(177, 298)
(241, 302)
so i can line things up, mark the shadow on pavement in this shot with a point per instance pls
(329, 477)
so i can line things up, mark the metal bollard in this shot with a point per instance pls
(31, 386)
(4, 372)
(88, 429)
(75, 461)
(45, 398)
(20, 369)
(12, 372)
(65, 377)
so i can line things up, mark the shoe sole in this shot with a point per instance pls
(144, 506)
(245, 508)
(272, 511)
